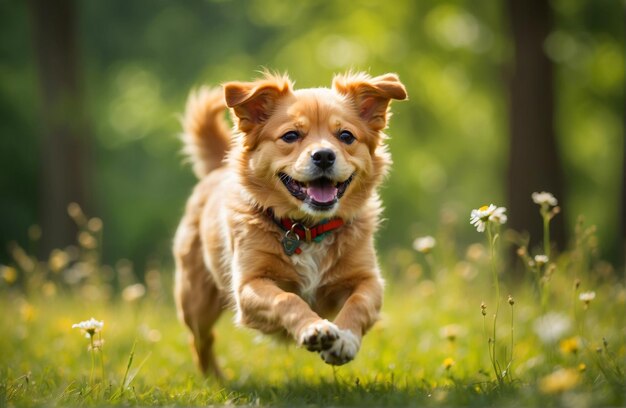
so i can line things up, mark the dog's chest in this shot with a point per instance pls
(311, 265)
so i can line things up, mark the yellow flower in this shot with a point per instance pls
(561, 380)
(448, 363)
(582, 367)
(571, 345)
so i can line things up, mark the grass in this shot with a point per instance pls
(431, 347)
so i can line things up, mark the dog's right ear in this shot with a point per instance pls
(253, 102)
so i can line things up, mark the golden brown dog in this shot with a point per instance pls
(281, 223)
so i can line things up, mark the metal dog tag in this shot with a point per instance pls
(291, 242)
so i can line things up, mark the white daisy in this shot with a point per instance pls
(587, 296)
(479, 217)
(544, 198)
(498, 215)
(90, 327)
(484, 214)
(424, 244)
(552, 326)
(541, 259)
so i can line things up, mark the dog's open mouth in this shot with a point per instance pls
(321, 193)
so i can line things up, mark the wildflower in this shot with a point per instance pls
(448, 363)
(96, 345)
(480, 217)
(90, 327)
(561, 380)
(571, 345)
(450, 332)
(551, 327)
(541, 260)
(424, 244)
(498, 215)
(582, 367)
(544, 199)
(587, 297)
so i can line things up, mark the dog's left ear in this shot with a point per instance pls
(253, 102)
(371, 96)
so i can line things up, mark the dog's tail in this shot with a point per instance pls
(206, 136)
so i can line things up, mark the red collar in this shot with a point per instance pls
(296, 232)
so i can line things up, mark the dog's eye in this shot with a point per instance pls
(346, 137)
(290, 137)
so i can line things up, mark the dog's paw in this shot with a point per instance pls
(343, 350)
(319, 336)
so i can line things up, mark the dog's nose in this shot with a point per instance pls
(323, 158)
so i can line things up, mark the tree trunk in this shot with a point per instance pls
(622, 208)
(534, 164)
(63, 176)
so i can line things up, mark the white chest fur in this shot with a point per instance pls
(311, 265)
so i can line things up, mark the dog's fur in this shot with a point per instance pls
(228, 250)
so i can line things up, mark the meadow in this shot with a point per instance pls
(457, 330)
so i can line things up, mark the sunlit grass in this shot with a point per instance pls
(430, 347)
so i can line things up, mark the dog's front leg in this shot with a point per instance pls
(358, 314)
(264, 306)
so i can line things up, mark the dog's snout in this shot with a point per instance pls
(323, 158)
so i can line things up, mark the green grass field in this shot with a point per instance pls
(431, 347)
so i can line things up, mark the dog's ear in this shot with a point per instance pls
(371, 96)
(253, 102)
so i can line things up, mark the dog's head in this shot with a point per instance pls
(312, 153)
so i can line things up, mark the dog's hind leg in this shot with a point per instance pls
(198, 300)
(200, 314)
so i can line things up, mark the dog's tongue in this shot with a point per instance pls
(322, 193)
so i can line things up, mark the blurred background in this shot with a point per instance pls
(506, 98)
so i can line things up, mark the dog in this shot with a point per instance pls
(281, 224)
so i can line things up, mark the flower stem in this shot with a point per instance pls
(546, 233)
(101, 356)
(93, 360)
(512, 341)
(494, 271)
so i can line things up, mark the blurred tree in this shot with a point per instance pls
(534, 164)
(63, 145)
